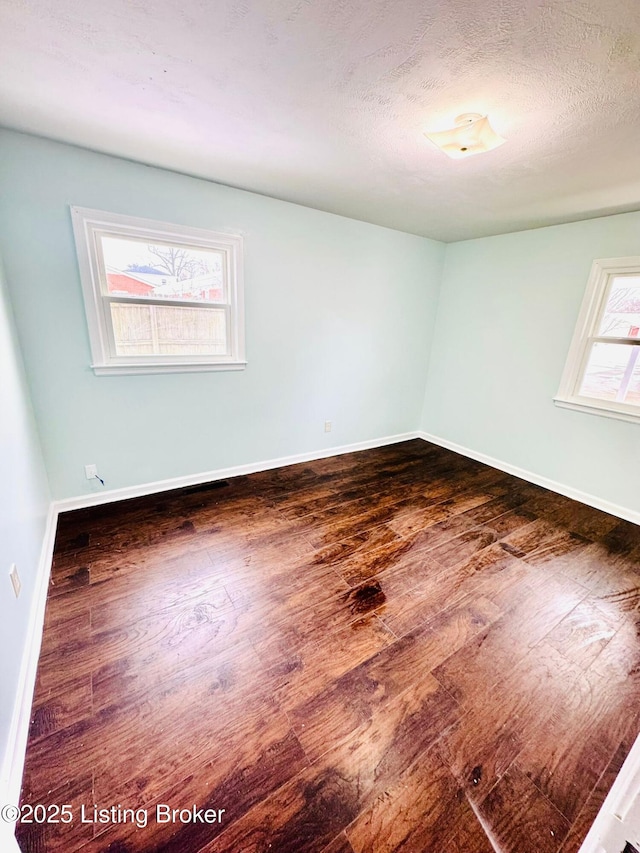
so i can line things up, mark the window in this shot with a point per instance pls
(602, 374)
(159, 298)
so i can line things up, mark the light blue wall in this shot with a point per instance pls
(24, 501)
(340, 327)
(507, 312)
(336, 315)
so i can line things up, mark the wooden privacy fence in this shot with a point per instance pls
(168, 330)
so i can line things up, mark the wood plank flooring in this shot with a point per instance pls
(393, 650)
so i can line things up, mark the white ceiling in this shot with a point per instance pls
(324, 102)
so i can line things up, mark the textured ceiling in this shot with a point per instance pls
(324, 102)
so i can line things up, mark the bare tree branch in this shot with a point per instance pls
(177, 262)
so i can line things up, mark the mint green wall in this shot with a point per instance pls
(335, 309)
(506, 315)
(340, 327)
(24, 502)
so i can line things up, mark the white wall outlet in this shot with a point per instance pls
(91, 471)
(16, 583)
(327, 426)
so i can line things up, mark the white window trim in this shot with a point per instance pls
(568, 396)
(86, 223)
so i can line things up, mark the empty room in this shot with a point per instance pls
(320, 434)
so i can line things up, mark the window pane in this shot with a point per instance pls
(162, 271)
(613, 373)
(621, 318)
(141, 330)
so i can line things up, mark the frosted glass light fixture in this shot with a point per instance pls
(472, 135)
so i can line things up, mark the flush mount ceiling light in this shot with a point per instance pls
(472, 135)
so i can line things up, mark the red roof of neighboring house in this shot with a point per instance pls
(121, 283)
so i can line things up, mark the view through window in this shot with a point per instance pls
(612, 371)
(602, 373)
(157, 294)
(165, 274)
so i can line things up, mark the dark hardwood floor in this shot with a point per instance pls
(394, 650)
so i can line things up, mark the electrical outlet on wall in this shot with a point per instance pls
(91, 473)
(327, 426)
(16, 583)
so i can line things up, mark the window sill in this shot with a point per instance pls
(596, 409)
(176, 367)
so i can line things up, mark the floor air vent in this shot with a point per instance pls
(205, 487)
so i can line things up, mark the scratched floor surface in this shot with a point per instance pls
(394, 650)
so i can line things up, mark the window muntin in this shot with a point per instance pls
(159, 297)
(602, 373)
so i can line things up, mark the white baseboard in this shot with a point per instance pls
(110, 495)
(617, 820)
(8, 840)
(569, 492)
(13, 760)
